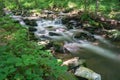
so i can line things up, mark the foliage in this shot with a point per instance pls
(22, 59)
(59, 3)
(9, 24)
(85, 16)
(102, 6)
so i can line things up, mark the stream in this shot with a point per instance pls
(100, 54)
(101, 57)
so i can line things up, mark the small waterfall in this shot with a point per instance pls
(57, 21)
(54, 24)
(54, 27)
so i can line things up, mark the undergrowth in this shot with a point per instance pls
(21, 59)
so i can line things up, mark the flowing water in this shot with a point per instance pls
(102, 58)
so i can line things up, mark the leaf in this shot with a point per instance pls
(2, 76)
(18, 76)
(19, 62)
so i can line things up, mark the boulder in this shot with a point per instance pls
(74, 63)
(87, 73)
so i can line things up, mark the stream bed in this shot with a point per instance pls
(101, 55)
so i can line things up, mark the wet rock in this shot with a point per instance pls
(76, 66)
(50, 28)
(54, 34)
(84, 36)
(91, 29)
(74, 62)
(45, 42)
(87, 73)
(72, 23)
(32, 29)
(73, 48)
(30, 22)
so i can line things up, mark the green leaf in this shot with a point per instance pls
(2, 76)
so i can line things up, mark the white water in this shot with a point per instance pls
(50, 24)
(60, 33)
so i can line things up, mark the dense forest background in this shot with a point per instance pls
(97, 5)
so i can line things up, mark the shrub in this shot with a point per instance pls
(22, 59)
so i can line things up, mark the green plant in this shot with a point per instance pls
(22, 59)
(85, 17)
(25, 60)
